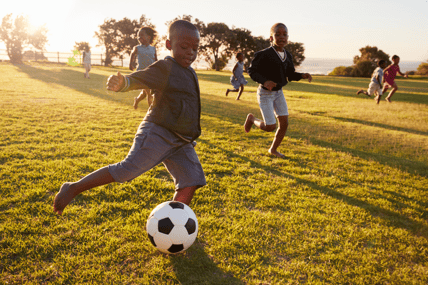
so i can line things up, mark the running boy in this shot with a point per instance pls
(169, 128)
(145, 54)
(237, 79)
(389, 77)
(375, 86)
(273, 68)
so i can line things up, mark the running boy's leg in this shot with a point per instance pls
(140, 97)
(251, 120)
(394, 89)
(70, 190)
(241, 89)
(279, 136)
(185, 195)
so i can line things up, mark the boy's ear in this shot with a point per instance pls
(168, 44)
(271, 39)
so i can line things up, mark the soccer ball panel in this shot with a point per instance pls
(152, 226)
(157, 208)
(162, 212)
(190, 226)
(176, 248)
(165, 226)
(178, 217)
(162, 241)
(178, 235)
(190, 240)
(176, 205)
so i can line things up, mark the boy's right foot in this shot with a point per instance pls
(63, 198)
(249, 123)
(135, 103)
(277, 154)
(360, 91)
(227, 92)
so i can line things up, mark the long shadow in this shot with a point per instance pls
(237, 112)
(369, 123)
(349, 89)
(391, 218)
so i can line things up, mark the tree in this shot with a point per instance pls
(119, 37)
(368, 54)
(216, 40)
(342, 71)
(423, 68)
(297, 51)
(108, 37)
(19, 34)
(81, 46)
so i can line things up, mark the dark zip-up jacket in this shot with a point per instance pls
(177, 103)
(267, 65)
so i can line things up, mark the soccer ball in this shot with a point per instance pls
(172, 227)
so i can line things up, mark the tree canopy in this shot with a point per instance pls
(18, 34)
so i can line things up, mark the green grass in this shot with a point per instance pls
(349, 205)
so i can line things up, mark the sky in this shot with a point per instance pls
(330, 29)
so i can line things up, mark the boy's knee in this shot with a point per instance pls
(270, 128)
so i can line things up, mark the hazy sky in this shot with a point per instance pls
(328, 29)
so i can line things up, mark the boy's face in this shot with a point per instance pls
(396, 60)
(280, 36)
(383, 65)
(143, 38)
(184, 47)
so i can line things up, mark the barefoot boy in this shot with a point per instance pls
(169, 128)
(375, 86)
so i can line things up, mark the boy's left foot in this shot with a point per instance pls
(135, 103)
(360, 91)
(227, 92)
(249, 123)
(277, 154)
(63, 198)
(388, 100)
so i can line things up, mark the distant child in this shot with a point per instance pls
(375, 86)
(237, 79)
(273, 68)
(389, 77)
(87, 61)
(145, 53)
(169, 128)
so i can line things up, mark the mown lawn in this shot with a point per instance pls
(348, 205)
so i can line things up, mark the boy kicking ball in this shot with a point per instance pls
(375, 86)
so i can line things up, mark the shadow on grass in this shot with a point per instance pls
(196, 267)
(391, 218)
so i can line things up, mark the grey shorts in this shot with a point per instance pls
(154, 144)
(271, 103)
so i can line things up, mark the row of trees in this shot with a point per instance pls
(366, 63)
(118, 37)
(218, 42)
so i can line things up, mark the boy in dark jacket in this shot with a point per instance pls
(273, 68)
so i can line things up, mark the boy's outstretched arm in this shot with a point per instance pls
(116, 82)
(307, 76)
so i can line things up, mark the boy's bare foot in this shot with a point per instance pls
(360, 91)
(63, 198)
(249, 123)
(388, 100)
(227, 92)
(135, 103)
(277, 154)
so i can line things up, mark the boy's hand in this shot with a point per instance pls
(115, 82)
(307, 76)
(269, 85)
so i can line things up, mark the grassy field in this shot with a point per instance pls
(348, 205)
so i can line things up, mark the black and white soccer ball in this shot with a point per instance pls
(172, 227)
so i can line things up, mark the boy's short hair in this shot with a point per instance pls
(176, 26)
(238, 54)
(394, 57)
(380, 62)
(272, 30)
(151, 33)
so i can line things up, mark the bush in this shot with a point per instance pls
(342, 71)
(423, 69)
(363, 69)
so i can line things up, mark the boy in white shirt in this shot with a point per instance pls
(375, 85)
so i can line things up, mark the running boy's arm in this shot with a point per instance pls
(132, 59)
(233, 71)
(256, 68)
(402, 74)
